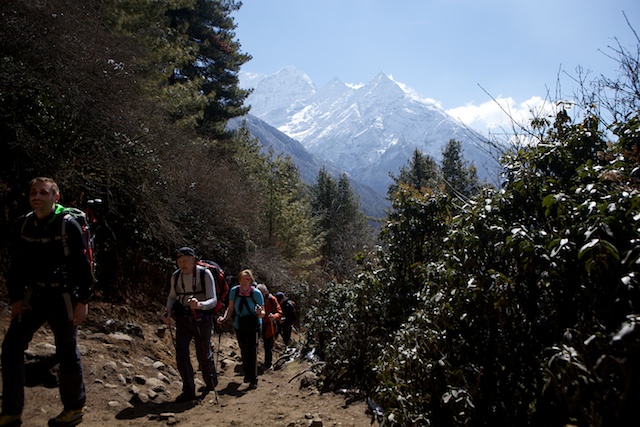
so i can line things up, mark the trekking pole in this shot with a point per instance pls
(273, 334)
(219, 348)
(257, 332)
(215, 392)
(195, 320)
(173, 339)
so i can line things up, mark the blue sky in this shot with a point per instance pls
(451, 51)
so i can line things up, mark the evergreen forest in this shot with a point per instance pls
(468, 305)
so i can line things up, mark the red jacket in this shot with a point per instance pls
(271, 306)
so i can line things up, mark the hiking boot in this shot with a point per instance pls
(185, 397)
(207, 388)
(211, 384)
(10, 420)
(67, 418)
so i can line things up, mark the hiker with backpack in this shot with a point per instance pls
(191, 302)
(246, 307)
(269, 324)
(289, 318)
(49, 280)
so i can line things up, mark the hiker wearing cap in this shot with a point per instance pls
(269, 324)
(49, 280)
(191, 302)
(246, 306)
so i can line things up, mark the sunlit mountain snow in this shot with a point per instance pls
(368, 130)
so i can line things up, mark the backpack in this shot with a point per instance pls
(84, 220)
(250, 321)
(289, 310)
(222, 285)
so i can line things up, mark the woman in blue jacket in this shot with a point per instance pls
(246, 305)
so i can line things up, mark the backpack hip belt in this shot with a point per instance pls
(49, 285)
(66, 297)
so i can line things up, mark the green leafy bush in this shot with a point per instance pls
(518, 308)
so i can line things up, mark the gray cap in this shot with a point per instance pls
(185, 251)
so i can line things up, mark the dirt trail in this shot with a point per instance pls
(131, 381)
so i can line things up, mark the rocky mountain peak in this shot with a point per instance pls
(368, 131)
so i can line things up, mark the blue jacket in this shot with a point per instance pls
(241, 309)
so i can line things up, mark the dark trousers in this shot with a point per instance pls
(248, 343)
(187, 329)
(270, 329)
(286, 332)
(268, 351)
(52, 309)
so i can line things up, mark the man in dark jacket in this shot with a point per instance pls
(49, 280)
(289, 316)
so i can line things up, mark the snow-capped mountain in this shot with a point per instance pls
(371, 202)
(368, 131)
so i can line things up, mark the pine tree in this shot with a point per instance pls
(214, 63)
(191, 59)
(422, 172)
(341, 223)
(275, 210)
(289, 218)
(460, 177)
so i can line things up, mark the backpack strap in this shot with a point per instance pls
(29, 239)
(244, 300)
(65, 240)
(178, 274)
(274, 301)
(250, 295)
(62, 236)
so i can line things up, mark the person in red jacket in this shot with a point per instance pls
(270, 324)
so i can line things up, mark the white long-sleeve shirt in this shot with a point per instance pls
(186, 286)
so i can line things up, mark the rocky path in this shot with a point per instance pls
(131, 381)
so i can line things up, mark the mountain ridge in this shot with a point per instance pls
(368, 131)
(308, 164)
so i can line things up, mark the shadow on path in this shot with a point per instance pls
(144, 409)
(152, 408)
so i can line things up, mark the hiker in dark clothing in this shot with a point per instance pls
(246, 305)
(269, 324)
(49, 280)
(289, 316)
(192, 302)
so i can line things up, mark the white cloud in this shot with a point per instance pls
(501, 113)
(491, 117)
(414, 94)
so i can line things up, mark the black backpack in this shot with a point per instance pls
(289, 310)
(249, 321)
(84, 220)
